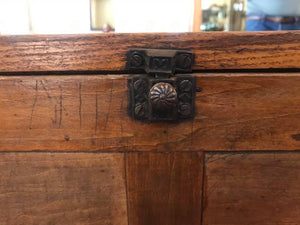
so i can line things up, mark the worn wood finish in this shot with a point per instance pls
(164, 188)
(106, 52)
(252, 189)
(89, 113)
(60, 188)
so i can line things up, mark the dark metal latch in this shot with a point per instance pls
(160, 95)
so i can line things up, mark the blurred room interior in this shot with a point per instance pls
(88, 16)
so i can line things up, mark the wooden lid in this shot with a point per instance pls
(107, 52)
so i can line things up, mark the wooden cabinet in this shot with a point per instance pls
(71, 154)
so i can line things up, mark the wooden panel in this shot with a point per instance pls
(60, 188)
(252, 189)
(106, 52)
(164, 188)
(89, 113)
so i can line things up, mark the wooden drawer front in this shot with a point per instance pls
(62, 188)
(254, 189)
(89, 113)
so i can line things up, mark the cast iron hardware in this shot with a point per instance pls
(160, 95)
(157, 61)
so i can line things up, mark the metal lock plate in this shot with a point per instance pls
(159, 95)
(157, 61)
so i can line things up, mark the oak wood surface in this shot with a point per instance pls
(62, 188)
(252, 189)
(107, 52)
(164, 188)
(89, 113)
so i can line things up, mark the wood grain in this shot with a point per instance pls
(89, 113)
(164, 188)
(107, 52)
(60, 188)
(252, 189)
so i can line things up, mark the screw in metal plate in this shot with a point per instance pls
(136, 60)
(185, 109)
(140, 109)
(140, 85)
(185, 86)
(184, 61)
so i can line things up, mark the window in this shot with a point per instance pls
(44, 16)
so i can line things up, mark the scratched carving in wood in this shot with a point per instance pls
(89, 113)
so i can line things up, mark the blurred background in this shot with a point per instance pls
(88, 16)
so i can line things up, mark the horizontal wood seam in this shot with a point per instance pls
(161, 152)
(127, 72)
